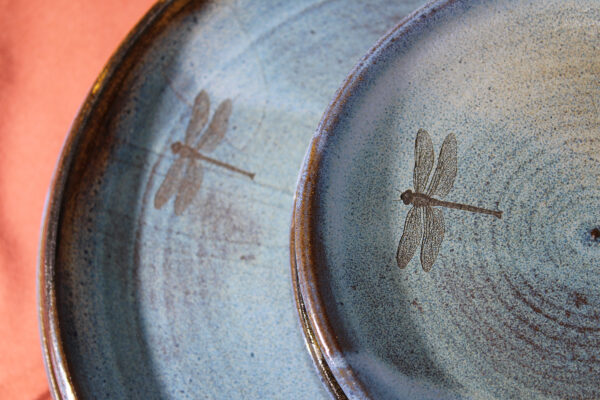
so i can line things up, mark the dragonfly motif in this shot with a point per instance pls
(184, 177)
(425, 224)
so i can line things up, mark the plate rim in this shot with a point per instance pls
(318, 331)
(123, 59)
(310, 340)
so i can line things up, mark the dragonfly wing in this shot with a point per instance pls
(170, 184)
(199, 117)
(217, 127)
(432, 237)
(188, 187)
(423, 160)
(445, 171)
(411, 237)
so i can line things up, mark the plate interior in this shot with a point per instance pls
(155, 300)
(510, 307)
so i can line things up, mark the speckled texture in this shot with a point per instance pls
(154, 305)
(510, 307)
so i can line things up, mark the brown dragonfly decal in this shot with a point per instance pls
(184, 177)
(425, 224)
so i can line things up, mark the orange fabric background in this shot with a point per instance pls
(50, 54)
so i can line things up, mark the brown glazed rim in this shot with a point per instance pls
(309, 335)
(319, 334)
(94, 109)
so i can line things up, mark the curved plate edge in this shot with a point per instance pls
(318, 331)
(61, 384)
(310, 339)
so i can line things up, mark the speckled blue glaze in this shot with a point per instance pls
(149, 304)
(510, 309)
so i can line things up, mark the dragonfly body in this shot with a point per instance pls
(186, 151)
(424, 224)
(422, 200)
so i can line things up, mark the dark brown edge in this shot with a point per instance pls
(319, 334)
(106, 85)
(309, 336)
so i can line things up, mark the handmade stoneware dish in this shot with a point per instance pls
(164, 266)
(447, 221)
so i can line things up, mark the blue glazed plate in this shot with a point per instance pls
(164, 266)
(491, 308)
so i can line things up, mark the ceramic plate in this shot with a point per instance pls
(492, 104)
(165, 265)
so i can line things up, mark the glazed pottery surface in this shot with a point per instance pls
(509, 309)
(158, 284)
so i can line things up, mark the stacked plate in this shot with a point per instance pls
(445, 226)
(165, 275)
